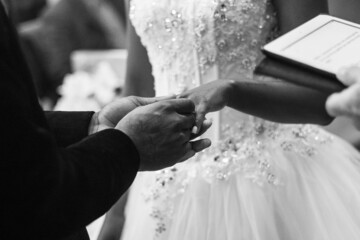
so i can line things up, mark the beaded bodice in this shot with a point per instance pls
(191, 42)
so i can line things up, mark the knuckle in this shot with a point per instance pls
(131, 98)
(179, 123)
(181, 136)
(203, 106)
(134, 100)
(191, 103)
(165, 105)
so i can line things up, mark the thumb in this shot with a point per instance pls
(349, 75)
(334, 106)
(167, 97)
(341, 103)
(345, 103)
(142, 101)
(201, 144)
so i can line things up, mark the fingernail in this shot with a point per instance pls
(194, 130)
(331, 104)
(341, 73)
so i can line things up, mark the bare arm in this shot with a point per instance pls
(279, 101)
(282, 101)
(292, 13)
(270, 99)
(139, 80)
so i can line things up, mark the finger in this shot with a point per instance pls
(182, 105)
(349, 75)
(184, 94)
(200, 145)
(163, 98)
(206, 125)
(195, 146)
(145, 101)
(189, 152)
(345, 103)
(200, 117)
(335, 106)
(185, 136)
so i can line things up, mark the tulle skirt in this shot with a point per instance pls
(293, 188)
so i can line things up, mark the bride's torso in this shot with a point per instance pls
(192, 42)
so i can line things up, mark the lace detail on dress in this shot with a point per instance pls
(181, 35)
(166, 33)
(240, 28)
(251, 158)
(192, 42)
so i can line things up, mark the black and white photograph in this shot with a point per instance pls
(180, 120)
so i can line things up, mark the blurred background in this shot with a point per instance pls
(73, 42)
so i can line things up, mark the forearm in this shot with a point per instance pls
(56, 191)
(278, 101)
(90, 178)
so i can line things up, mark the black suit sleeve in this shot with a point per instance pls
(68, 127)
(49, 191)
(53, 182)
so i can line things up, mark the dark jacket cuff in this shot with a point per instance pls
(69, 127)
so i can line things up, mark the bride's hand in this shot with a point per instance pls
(209, 97)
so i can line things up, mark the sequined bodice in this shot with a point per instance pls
(191, 42)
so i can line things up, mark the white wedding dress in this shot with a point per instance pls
(260, 180)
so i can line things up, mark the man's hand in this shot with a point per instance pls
(112, 113)
(347, 102)
(162, 133)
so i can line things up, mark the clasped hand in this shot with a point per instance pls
(208, 97)
(159, 127)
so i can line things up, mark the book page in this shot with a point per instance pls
(329, 47)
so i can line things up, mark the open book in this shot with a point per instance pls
(311, 54)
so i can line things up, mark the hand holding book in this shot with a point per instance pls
(347, 102)
(311, 54)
